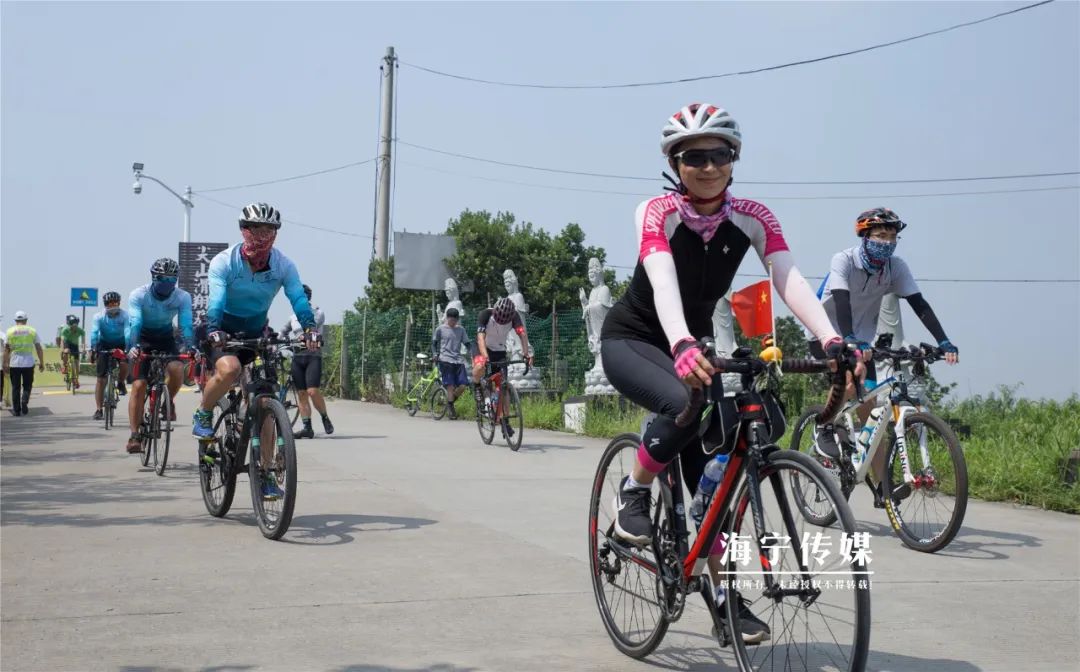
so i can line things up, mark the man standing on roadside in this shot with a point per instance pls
(22, 340)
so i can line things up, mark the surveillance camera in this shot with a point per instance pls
(137, 187)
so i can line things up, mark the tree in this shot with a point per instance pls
(549, 268)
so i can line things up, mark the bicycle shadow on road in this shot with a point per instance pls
(436, 667)
(711, 657)
(545, 447)
(335, 529)
(213, 668)
(970, 542)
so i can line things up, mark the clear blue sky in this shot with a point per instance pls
(217, 94)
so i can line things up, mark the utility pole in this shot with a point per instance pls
(382, 216)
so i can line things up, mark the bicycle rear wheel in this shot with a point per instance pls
(290, 399)
(273, 513)
(624, 577)
(439, 402)
(217, 466)
(164, 431)
(514, 418)
(927, 513)
(817, 610)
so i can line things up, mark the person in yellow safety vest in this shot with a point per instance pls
(22, 340)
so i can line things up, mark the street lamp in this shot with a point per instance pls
(137, 168)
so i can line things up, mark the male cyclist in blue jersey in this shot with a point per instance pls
(151, 311)
(244, 279)
(108, 335)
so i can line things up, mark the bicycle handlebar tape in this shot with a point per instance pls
(804, 366)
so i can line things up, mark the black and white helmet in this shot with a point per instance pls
(165, 266)
(700, 120)
(111, 297)
(503, 310)
(262, 214)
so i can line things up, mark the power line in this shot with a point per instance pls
(524, 184)
(757, 197)
(287, 221)
(758, 182)
(289, 179)
(520, 165)
(745, 275)
(727, 74)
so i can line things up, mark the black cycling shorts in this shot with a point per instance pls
(150, 345)
(103, 358)
(307, 371)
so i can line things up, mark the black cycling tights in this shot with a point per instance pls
(645, 375)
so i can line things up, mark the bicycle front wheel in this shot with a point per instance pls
(812, 503)
(147, 429)
(514, 418)
(485, 418)
(272, 470)
(110, 400)
(163, 433)
(927, 512)
(810, 587)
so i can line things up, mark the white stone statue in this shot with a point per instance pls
(510, 282)
(516, 374)
(594, 309)
(890, 322)
(723, 320)
(453, 299)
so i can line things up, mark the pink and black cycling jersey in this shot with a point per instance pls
(680, 276)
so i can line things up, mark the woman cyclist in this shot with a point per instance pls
(690, 245)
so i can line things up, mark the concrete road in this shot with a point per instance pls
(415, 547)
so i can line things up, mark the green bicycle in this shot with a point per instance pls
(427, 390)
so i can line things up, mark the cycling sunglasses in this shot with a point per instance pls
(166, 278)
(698, 158)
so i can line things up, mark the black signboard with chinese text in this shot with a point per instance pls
(195, 273)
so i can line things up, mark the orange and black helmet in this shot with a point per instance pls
(877, 217)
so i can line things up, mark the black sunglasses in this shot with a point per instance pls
(698, 158)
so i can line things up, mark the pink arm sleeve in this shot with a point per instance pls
(796, 293)
(655, 255)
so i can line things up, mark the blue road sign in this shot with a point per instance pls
(84, 296)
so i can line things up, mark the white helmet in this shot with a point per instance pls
(700, 120)
(20, 315)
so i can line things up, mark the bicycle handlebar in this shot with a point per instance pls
(924, 352)
(753, 367)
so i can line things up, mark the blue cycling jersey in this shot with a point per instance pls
(151, 319)
(240, 299)
(109, 330)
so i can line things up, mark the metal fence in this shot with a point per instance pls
(381, 346)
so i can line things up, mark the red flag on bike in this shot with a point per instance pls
(753, 309)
